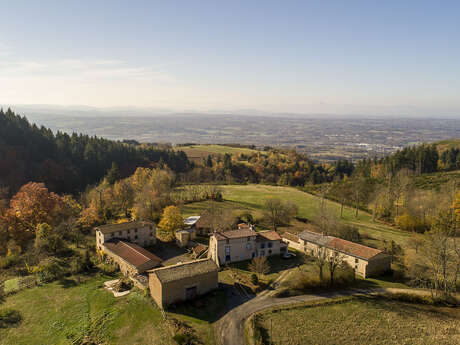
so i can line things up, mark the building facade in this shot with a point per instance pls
(138, 232)
(244, 244)
(183, 281)
(365, 261)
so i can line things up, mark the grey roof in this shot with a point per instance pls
(109, 228)
(191, 220)
(315, 237)
(184, 270)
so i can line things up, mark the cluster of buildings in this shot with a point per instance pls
(124, 244)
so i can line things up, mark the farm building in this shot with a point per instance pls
(244, 244)
(366, 261)
(140, 233)
(131, 258)
(183, 281)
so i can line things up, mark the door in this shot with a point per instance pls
(190, 292)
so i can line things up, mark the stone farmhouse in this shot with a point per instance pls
(140, 233)
(364, 260)
(183, 281)
(131, 258)
(244, 244)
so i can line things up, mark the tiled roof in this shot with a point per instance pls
(353, 249)
(109, 228)
(184, 270)
(132, 253)
(269, 235)
(220, 236)
(290, 237)
(314, 237)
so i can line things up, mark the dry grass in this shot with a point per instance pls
(363, 320)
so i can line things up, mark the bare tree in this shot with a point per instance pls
(334, 261)
(279, 212)
(320, 256)
(259, 265)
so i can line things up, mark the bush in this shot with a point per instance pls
(108, 269)
(9, 261)
(9, 317)
(50, 270)
(254, 279)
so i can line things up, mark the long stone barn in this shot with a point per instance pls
(366, 261)
(183, 281)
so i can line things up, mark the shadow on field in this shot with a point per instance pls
(67, 283)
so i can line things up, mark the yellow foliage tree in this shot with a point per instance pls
(170, 222)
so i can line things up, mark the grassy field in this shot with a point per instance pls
(241, 198)
(66, 313)
(198, 152)
(364, 320)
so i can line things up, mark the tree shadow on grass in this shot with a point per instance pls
(67, 283)
(9, 318)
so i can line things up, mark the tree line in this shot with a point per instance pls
(68, 163)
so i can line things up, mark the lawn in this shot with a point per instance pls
(240, 198)
(363, 320)
(198, 152)
(67, 312)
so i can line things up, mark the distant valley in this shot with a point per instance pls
(322, 138)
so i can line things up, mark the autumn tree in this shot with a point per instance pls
(170, 222)
(33, 205)
(259, 265)
(278, 212)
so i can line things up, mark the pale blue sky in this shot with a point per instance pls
(339, 57)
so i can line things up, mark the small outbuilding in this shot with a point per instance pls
(183, 281)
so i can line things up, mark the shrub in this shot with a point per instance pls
(107, 269)
(9, 261)
(49, 270)
(9, 317)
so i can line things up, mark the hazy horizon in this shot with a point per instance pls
(273, 57)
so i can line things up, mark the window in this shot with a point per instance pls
(270, 244)
(135, 230)
(356, 261)
(262, 245)
(227, 250)
(227, 258)
(262, 253)
(248, 245)
(269, 252)
(135, 237)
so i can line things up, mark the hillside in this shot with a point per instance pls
(197, 153)
(68, 163)
(252, 197)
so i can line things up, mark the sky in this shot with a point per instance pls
(338, 57)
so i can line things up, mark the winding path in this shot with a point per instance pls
(229, 330)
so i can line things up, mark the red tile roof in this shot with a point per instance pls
(132, 253)
(220, 236)
(269, 235)
(291, 237)
(353, 249)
